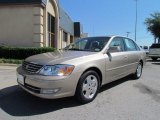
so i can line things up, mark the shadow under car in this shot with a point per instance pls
(17, 102)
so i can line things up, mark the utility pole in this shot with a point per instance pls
(136, 21)
(128, 34)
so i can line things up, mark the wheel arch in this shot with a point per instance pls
(141, 61)
(96, 69)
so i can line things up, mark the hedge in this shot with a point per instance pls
(22, 53)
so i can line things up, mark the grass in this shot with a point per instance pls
(10, 61)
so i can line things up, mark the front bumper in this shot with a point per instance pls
(58, 86)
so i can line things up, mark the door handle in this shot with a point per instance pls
(126, 58)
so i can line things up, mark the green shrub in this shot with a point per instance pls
(22, 53)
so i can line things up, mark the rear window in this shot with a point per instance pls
(155, 46)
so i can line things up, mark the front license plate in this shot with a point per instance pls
(20, 79)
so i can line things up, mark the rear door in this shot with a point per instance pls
(133, 54)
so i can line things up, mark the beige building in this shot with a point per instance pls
(35, 23)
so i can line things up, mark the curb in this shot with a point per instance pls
(12, 65)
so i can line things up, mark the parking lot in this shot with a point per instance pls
(125, 99)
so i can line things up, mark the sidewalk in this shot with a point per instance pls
(8, 66)
(7, 76)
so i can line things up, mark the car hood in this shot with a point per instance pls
(58, 57)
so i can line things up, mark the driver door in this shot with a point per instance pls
(116, 62)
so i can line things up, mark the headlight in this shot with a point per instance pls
(57, 70)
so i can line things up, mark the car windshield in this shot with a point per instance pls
(92, 44)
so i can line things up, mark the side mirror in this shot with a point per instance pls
(113, 49)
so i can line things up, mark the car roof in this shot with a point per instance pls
(111, 36)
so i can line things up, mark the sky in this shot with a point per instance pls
(113, 17)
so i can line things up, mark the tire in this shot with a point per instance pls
(154, 59)
(138, 72)
(88, 87)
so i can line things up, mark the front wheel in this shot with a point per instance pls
(138, 72)
(88, 87)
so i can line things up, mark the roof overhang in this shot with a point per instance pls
(23, 2)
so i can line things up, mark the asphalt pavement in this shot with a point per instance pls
(124, 99)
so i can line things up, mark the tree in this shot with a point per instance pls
(153, 25)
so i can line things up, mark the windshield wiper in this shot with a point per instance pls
(75, 49)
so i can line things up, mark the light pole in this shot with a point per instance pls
(136, 22)
(128, 34)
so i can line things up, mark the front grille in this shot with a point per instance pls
(31, 67)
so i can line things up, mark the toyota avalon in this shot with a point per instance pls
(81, 68)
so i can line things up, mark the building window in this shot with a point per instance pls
(71, 39)
(65, 39)
(51, 31)
(64, 36)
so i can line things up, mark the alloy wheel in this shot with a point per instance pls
(90, 86)
(139, 70)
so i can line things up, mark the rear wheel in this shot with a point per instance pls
(138, 72)
(154, 59)
(88, 87)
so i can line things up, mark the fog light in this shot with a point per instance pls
(49, 91)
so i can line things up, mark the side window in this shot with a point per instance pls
(130, 45)
(118, 42)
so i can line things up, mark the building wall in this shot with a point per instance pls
(26, 25)
(65, 22)
(65, 40)
(51, 10)
(20, 25)
(38, 33)
(66, 28)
